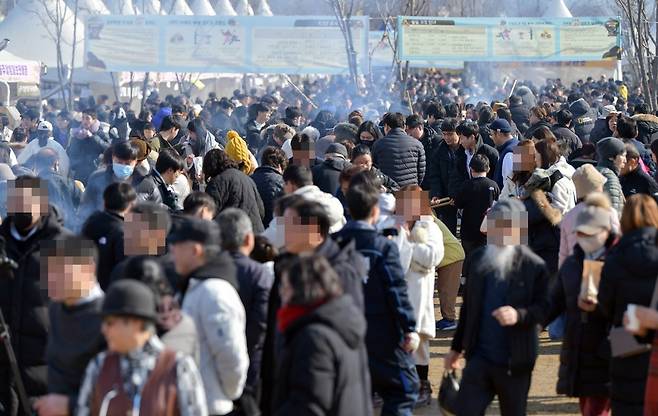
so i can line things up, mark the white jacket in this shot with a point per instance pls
(564, 191)
(421, 251)
(33, 148)
(219, 316)
(275, 232)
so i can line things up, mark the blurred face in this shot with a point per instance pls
(26, 205)
(62, 123)
(409, 204)
(416, 132)
(87, 121)
(122, 335)
(612, 124)
(69, 278)
(364, 161)
(28, 123)
(507, 229)
(468, 142)
(300, 237)
(149, 134)
(451, 138)
(139, 239)
(620, 161)
(524, 159)
(366, 137)
(263, 117)
(188, 256)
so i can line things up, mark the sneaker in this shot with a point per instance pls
(425, 394)
(446, 325)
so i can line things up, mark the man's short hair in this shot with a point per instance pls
(169, 159)
(235, 225)
(414, 121)
(124, 151)
(468, 129)
(393, 120)
(168, 123)
(197, 200)
(298, 175)
(90, 112)
(273, 156)
(449, 125)
(118, 196)
(256, 108)
(301, 142)
(631, 152)
(69, 246)
(479, 164)
(626, 128)
(361, 199)
(564, 117)
(293, 112)
(155, 215)
(435, 110)
(311, 212)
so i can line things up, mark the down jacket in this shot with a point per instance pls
(647, 126)
(269, 183)
(400, 157)
(629, 276)
(234, 189)
(612, 186)
(584, 118)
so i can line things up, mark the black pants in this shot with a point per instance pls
(448, 215)
(469, 247)
(397, 386)
(482, 380)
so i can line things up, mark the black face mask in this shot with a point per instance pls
(22, 221)
(368, 143)
(43, 139)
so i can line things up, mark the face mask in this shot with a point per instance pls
(592, 243)
(21, 220)
(368, 143)
(122, 171)
(43, 139)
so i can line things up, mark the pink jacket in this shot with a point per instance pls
(568, 234)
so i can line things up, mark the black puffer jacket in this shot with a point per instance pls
(543, 228)
(105, 229)
(584, 118)
(324, 364)
(431, 141)
(400, 157)
(585, 354)
(566, 136)
(24, 304)
(647, 126)
(520, 117)
(600, 131)
(269, 183)
(629, 276)
(443, 170)
(232, 188)
(326, 175)
(84, 154)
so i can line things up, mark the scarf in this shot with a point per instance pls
(288, 314)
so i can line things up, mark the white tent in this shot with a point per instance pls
(16, 69)
(224, 8)
(33, 34)
(176, 8)
(122, 7)
(262, 8)
(201, 8)
(243, 8)
(89, 7)
(556, 8)
(149, 7)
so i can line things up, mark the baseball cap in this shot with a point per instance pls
(45, 126)
(501, 125)
(606, 110)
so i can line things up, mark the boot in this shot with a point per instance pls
(425, 394)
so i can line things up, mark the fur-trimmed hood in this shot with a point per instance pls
(648, 118)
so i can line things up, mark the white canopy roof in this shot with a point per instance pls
(36, 41)
(262, 8)
(243, 8)
(201, 8)
(224, 8)
(149, 7)
(176, 8)
(122, 7)
(556, 8)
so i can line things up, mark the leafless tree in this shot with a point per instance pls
(640, 46)
(344, 10)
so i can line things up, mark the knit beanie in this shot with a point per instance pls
(587, 179)
(609, 148)
(237, 150)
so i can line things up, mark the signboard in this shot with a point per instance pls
(229, 44)
(381, 54)
(509, 39)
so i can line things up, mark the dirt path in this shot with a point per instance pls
(542, 399)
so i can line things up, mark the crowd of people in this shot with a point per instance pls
(277, 253)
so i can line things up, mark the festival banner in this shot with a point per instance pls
(236, 44)
(509, 39)
(381, 54)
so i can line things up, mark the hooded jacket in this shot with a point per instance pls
(584, 118)
(25, 307)
(520, 117)
(212, 301)
(629, 276)
(647, 126)
(324, 364)
(612, 185)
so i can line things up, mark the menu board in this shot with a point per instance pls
(509, 39)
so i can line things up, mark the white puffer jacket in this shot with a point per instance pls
(219, 316)
(563, 194)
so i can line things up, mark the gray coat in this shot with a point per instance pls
(400, 157)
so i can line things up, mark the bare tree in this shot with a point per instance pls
(344, 10)
(640, 47)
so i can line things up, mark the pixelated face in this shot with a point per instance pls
(364, 161)
(507, 229)
(524, 159)
(410, 205)
(139, 238)
(69, 278)
(120, 333)
(27, 200)
(298, 236)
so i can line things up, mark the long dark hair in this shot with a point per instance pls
(215, 162)
(198, 127)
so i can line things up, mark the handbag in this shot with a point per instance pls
(623, 343)
(448, 392)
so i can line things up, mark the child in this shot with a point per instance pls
(475, 198)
